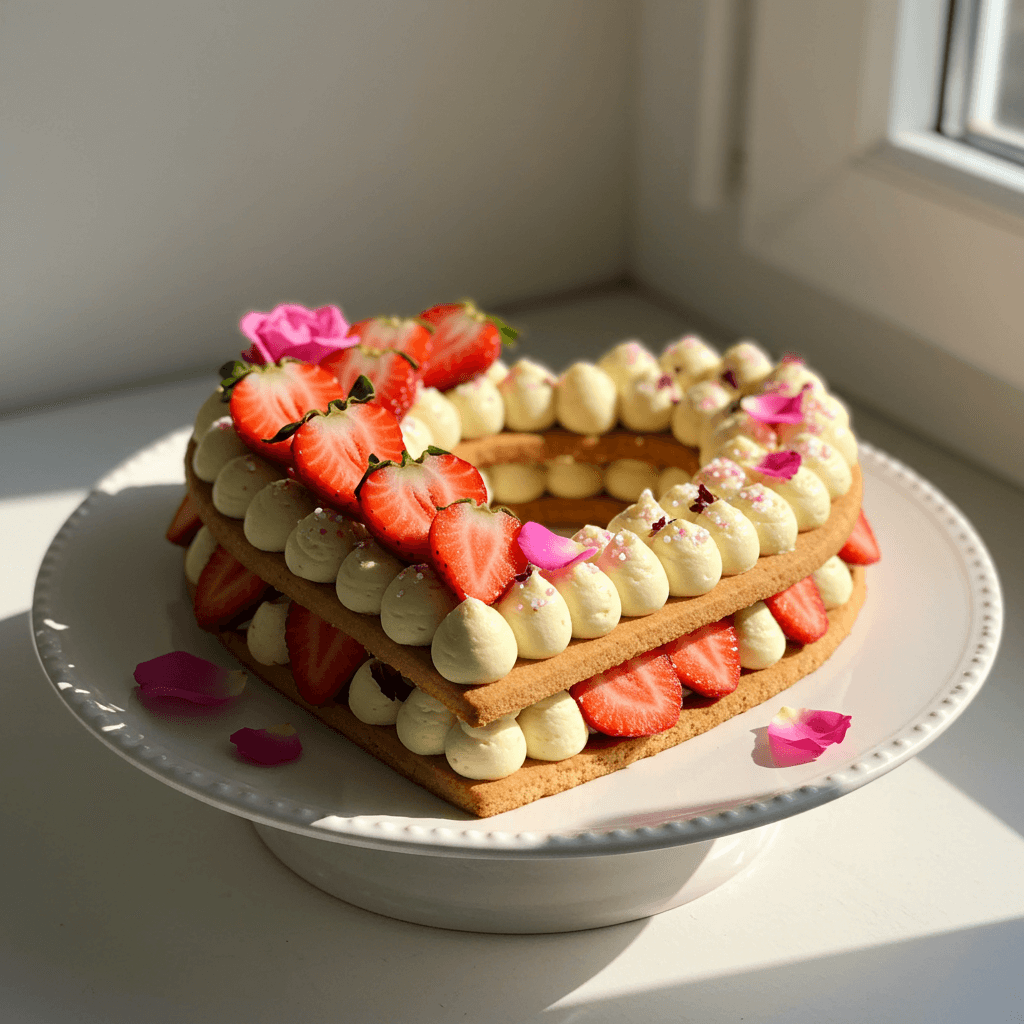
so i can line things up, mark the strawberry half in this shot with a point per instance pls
(381, 333)
(466, 342)
(225, 589)
(861, 548)
(399, 500)
(323, 659)
(394, 375)
(707, 660)
(185, 524)
(640, 697)
(266, 398)
(800, 612)
(331, 451)
(474, 549)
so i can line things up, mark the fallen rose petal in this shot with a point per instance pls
(780, 465)
(775, 407)
(296, 332)
(548, 550)
(800, 735)
(183, 675)
(275, 745)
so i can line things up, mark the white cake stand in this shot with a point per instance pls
(665, 831)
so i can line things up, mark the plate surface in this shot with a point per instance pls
(111, 593)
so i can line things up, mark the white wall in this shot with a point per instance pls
(170, 165)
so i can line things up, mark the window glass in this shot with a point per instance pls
(1010, 105)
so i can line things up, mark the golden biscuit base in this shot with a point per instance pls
(530, 681)
(602, 755)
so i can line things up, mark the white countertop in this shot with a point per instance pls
(126, 901)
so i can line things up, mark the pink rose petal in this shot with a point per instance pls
(548, 550)
(296, 332)
(800, 735)
(186, 677)
(276, 745)
(780, 465)
(775, 407)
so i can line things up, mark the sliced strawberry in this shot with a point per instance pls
(266, 398)
(474, 550)
(323, 659)
(861, 548)
(399, 500)
(436, 314)
(708, 659)
(225, 590)
(640, 697)
(394, 375)
(185, 524)
(331, 451)
(381, 333)
(466, 342)
(800, 612)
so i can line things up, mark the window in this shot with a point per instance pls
(852, 189)
(983, 83)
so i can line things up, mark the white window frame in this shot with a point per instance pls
(849, 188)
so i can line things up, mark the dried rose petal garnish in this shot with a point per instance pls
(275, 745)
(775, 407)
(800, 735)
(294, 331)
(659, 525)
(183, 675)
(548, 550)
(390, 681)
(705, 499)
(780, 465)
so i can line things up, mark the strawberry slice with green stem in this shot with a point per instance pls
(412, 336)
(800, 612)
(185, 524)
(473, 549)
(394, 375)
(466, 341)
(640, 697)
(399, 500)
(323, 658)
(707, 660)
(331, 450)
(861, 548)
(225, 590)
(266, 398)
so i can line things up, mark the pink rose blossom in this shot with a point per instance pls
(296, 332)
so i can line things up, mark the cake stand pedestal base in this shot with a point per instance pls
(520, 894)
